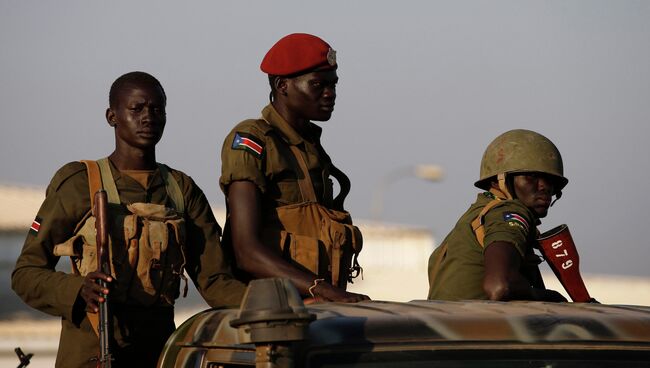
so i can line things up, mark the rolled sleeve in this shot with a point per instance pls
(497, 228)
(239, 164)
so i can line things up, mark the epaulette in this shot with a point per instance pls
(64, 173)
(257, 124)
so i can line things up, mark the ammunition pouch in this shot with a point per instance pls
(81, 247)
(156, 251)
(319, 240)
(146, 251)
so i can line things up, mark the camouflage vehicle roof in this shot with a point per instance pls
(528, 330)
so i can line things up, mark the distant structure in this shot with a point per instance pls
(394, 257)
(18, 207)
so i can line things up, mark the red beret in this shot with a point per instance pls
(296, 53)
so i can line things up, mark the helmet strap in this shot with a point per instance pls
(558, 195)
(501, 177)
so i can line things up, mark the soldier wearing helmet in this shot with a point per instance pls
(489, 253)
(283, 220)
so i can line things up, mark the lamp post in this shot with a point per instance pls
(432, 173)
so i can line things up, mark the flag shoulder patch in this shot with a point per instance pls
(248, 142)
(36, 226)
(515, 219)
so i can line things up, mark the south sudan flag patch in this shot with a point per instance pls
(36, 226)
(515, 219)
(247, 142)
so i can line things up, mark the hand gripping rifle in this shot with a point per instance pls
(560, 253)
(103, 266)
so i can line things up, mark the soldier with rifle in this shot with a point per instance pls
(154, 226)
(490, 252)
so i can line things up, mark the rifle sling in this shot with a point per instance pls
(478, 225)
(94, 181)
(94, 185)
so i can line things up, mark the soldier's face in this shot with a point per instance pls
(535, 191)
(139, 116)
(312, 96)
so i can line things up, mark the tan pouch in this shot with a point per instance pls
(305, 251)
(321, 240)
(152, 211)
(81, 248)
(159, 265)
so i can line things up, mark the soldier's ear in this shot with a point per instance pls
(110, 117)
(280, 84)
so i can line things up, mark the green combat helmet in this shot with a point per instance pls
(520, 151)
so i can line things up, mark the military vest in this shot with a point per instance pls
(313, 237)
(321, 240)
(146, 242)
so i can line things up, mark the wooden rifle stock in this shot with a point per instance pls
(103, 266)
(560, 252)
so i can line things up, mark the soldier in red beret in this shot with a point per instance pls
(283, 219)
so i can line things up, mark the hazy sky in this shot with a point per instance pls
(420, 82)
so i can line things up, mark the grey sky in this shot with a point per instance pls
(421, 82)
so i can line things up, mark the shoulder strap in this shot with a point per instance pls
(108, 181)
(305, 183)
(94, 185)
(94, 180)
(478, 225)
(173, 189)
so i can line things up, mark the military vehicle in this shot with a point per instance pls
(273, 328)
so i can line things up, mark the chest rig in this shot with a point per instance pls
(146, 242)
(313, 237)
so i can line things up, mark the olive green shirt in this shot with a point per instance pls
(274, 170)
(460, 273)
(67, 201)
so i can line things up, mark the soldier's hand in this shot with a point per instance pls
(329, 293)
(91, 292)
(548, 295)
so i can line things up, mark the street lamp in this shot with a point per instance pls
(432, 173)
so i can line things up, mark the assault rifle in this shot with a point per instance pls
(105, 322)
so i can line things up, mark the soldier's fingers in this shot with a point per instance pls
(91, 286)
(92, 308)
(99, 275)
(354, 298)
(91, 298)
